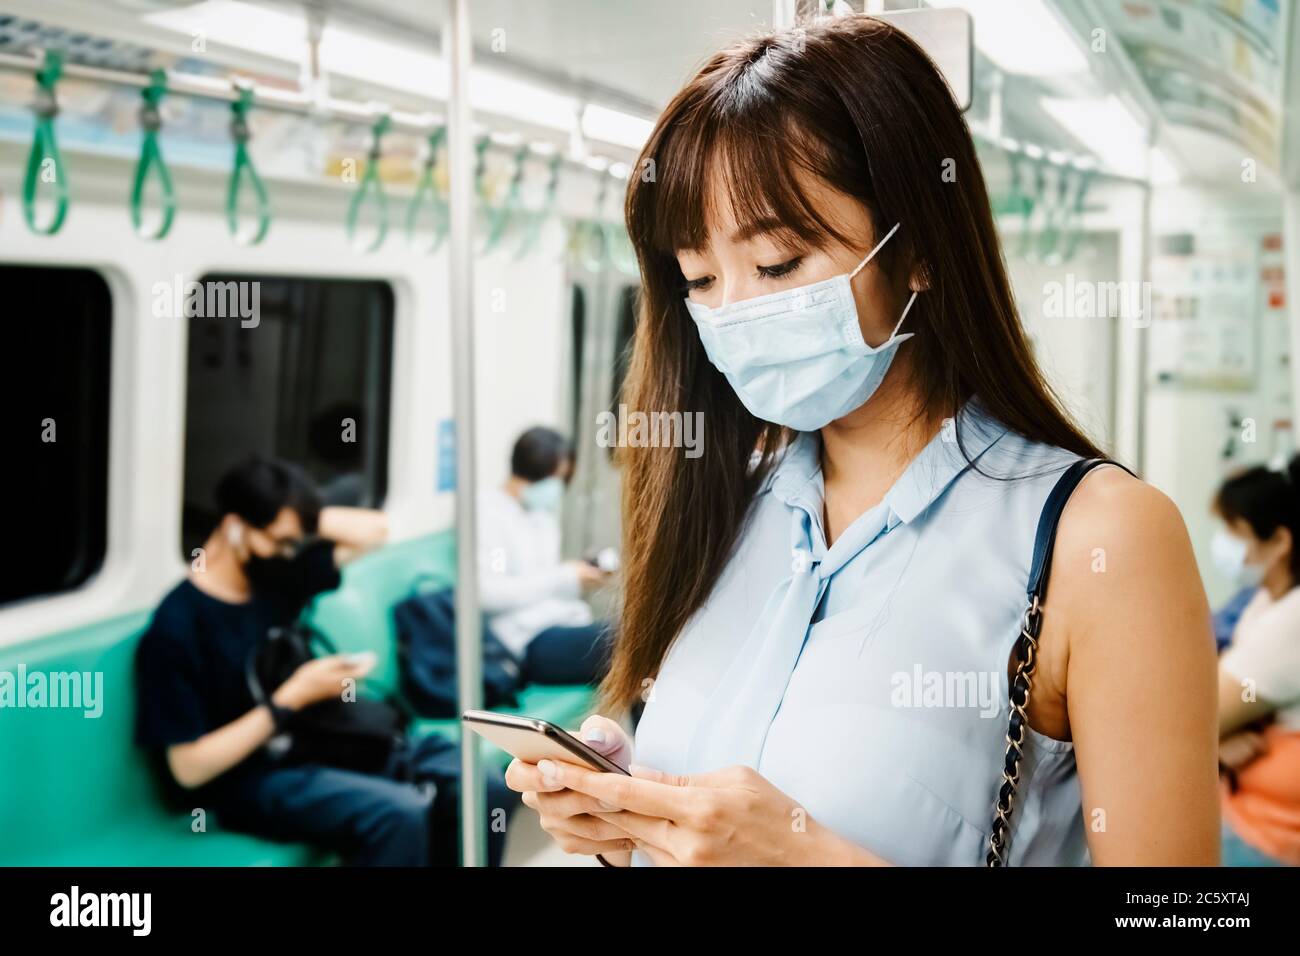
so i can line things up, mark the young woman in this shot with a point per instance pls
(820, 611)
(1259, 673)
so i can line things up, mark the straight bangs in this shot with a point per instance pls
(719, 161)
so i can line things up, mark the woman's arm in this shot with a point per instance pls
(1139, 674)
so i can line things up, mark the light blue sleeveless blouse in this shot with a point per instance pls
(868, 681)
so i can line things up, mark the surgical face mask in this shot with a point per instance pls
(543, 495)
(272, 576)
(797, 357)
(1229, 555)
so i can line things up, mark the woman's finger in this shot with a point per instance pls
(606, 737)
(654, 831)
(523, 776)
(586, 826)
(567, 803)
(620, 792)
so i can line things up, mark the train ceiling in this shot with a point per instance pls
(1209, 76)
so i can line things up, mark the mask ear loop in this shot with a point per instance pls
(871, 255)
(903, 316)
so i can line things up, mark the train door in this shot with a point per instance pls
(602, 320)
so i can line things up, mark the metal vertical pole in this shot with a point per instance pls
(1144, 335)
(469, 653)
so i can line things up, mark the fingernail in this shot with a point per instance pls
(606, 806)
(550, 772)
(594, 736)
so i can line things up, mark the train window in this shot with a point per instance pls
(55, 373)
(299, 369)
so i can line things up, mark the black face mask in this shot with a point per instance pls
(274, 577)
(297, 579)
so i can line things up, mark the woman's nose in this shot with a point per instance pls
(737, 290)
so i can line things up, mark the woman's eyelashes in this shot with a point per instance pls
(779, 271)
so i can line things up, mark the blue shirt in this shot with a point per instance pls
(868, 680)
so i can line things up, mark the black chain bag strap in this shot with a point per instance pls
(1027, 653)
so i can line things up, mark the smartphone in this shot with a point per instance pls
(533, 739)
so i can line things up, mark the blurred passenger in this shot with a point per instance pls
(1226, 617)
(1259, 674)
(532, 599)
(274, 549)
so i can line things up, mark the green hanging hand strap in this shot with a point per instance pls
(1049, 240)
(151, 159)
(537, 220)
(480, 182)
(45, 162)
(1027, 219)
(619, 249)
(371, 187)
(499, 219)
(1076, 216)
(595, 261)
(242, 172)
(480, 166)
(426, 190)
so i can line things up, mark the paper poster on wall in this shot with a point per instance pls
(1205, 328)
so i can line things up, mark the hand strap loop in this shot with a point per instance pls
(499, 219)
(426, 191)
(244, 171)
(151, 160)
(372, 190)
(45, 162)
(589, 239)
(537, 220)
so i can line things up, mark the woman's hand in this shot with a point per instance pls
(731, 817)
(568, 816)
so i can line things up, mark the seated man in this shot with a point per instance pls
(532, 599)
(258, 569)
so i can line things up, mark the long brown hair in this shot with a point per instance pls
(855, 102)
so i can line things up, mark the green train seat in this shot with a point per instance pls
(78, 792)
(358, 617)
